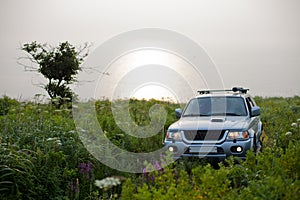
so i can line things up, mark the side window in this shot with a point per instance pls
(249, 103)
(252, 101)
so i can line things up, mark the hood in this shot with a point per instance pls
(211, 123)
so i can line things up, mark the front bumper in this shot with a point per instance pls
(221, 151)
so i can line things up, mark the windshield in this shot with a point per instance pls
(212, 106)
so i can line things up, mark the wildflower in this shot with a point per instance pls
(107, 183)
(81, 168)
(71, 186)
(50, 139)
(288, 133)
(89, 167)
(152, 178)
(85, 169)
(157, 166)
(294, 125)
(74, 188)
(145, 170)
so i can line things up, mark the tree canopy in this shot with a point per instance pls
(59, 65)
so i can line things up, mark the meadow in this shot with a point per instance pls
(42, 157)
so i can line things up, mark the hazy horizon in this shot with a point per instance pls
(252, 43)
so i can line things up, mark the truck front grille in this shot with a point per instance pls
(201, 135)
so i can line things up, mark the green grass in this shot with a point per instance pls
(42, 157)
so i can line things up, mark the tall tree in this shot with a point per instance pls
(59, 65)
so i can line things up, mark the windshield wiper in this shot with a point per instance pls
(195, 115)
(232, 114)
(191, 115)
(226, 114)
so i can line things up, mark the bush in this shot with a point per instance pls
(6, 103)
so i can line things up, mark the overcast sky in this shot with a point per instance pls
(253, 43)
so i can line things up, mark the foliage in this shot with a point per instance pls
(269, 175)
(139, 112)
(58, 65)
(42, 157)
(6, 103)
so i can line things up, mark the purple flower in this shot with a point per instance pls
(81, 168)
(75, 188)
(89, 167)
(152, 178)
(157, 166)
(71, 186)
(85, 169)
(145, 171)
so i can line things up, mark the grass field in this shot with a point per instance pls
(42, 157)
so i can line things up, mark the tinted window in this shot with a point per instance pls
(208, 106)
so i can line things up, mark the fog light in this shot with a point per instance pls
(236, 149)
(171, 149)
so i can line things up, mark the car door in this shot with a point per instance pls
(254, 120)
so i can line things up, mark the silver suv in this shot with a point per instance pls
(216, 124)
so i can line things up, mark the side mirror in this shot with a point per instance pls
(178, 112)
(255, 111)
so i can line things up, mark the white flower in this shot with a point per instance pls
(55, 138)
(294, 125)
(72, 131)
(288, 133)
(108, 182)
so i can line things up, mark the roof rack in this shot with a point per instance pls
(234, 89)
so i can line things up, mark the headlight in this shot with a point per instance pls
(174, 135)
(237, 135)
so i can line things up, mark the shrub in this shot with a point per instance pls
(6, 103)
